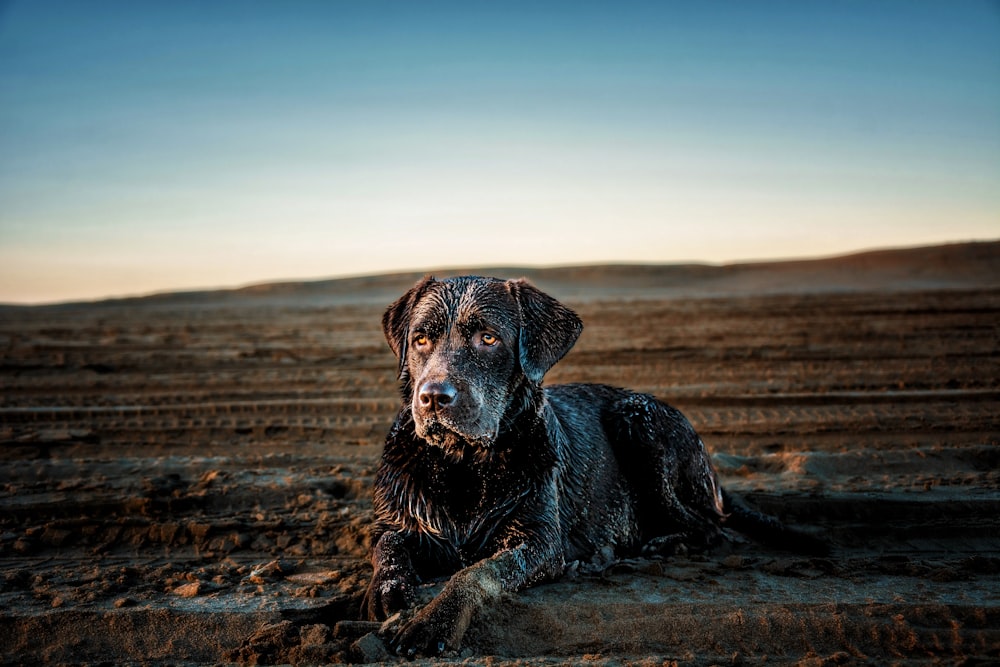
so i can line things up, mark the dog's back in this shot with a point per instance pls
(633, 446)
(636, 470)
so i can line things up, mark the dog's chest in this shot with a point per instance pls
(457, 505)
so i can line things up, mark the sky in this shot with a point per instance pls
(154, 146)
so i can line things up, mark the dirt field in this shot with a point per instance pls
(186, 479)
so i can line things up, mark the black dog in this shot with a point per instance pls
(499, 482)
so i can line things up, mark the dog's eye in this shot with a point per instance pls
(489, 339)
(421, 340)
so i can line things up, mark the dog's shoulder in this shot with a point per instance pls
(584, 401)
(579, 416)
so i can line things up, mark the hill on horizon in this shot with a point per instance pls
(972, 264)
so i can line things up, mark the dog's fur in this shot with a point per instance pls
(499, 483)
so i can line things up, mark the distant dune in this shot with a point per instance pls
(967, 265)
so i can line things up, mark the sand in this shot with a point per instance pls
(185, 479)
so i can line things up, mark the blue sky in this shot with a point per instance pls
(150, 146)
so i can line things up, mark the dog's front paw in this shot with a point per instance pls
(437, 628)
(386, 596)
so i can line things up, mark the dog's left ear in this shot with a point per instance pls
(548, 329)
(396, 320)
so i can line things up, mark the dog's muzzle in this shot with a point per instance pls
(447, 416)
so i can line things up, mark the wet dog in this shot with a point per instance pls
(498, 483)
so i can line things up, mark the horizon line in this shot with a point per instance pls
(249, 286)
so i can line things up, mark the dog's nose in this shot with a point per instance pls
(437, 394)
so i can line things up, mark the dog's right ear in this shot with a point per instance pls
(548, 329)
(396, 320)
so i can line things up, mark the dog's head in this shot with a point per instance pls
(469, 349)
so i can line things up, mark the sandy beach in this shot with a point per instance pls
(185, 478)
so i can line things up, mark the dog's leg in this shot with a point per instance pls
(441, 624)
(526, 551)
(394, 579)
